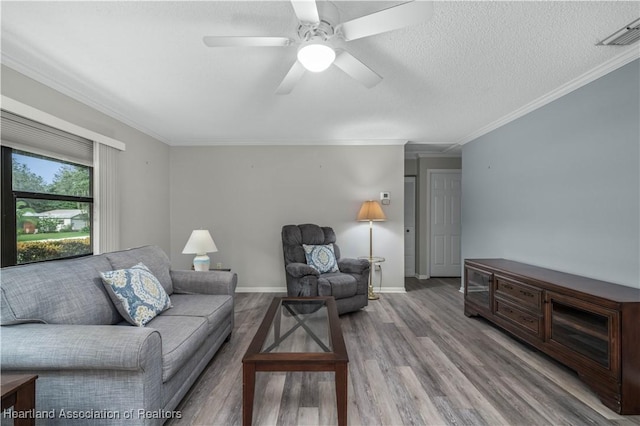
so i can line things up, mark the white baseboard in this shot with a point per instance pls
(261, 289)
(390, 290)
(422, 277)
(284, 290)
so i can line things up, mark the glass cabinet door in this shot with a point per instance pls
(477, 287)
(583, 329)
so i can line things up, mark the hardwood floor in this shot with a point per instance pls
(414, 359)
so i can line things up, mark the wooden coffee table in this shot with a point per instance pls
(19, 392)
(297, 334)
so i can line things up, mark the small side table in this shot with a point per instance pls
(19, 392)
(374, 261)
(217, 269)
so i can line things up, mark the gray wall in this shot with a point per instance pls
(143, 167)
(244, 195)
(560, 187)
(411, 167)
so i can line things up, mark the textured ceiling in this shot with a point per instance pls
(144, 63)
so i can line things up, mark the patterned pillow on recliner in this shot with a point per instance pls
(322, 258)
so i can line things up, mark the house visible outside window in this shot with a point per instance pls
(47, 208)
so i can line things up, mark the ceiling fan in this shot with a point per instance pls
(318, 36)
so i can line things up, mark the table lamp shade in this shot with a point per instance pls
(200, 243)
(371, 211)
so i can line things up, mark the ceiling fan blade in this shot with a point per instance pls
(390, 19)
(222, 41)
(306, 10)
(356, 69)
(290, 80)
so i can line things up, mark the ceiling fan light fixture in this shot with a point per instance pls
(316, 56)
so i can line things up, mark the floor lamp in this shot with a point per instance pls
(371, 211)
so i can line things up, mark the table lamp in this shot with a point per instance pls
(371, 211)
(200, 243)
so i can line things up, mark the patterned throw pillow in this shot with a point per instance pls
(137, 294)
(323, 258)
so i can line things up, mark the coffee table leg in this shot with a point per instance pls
(25, 401)
(248, 388)
(341, 392)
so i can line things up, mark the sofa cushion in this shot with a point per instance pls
(338, 285)
(214, 308)
(153, 257)
(57, 292)
(321, 257)
(137, 294)
(181, 337)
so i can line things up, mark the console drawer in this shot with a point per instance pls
(530, 322)
(524, 294)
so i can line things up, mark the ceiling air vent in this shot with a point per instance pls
(625, 36)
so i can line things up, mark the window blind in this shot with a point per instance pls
(21, 133)
(27, 135)
(107, 209)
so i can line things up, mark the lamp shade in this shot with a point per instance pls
(371, 211)
(200, 242)
(316, 55)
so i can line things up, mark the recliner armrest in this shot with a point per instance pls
(299, 270)
(354, 266)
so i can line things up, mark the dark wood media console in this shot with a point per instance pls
(591, 326)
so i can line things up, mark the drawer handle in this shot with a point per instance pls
(526, 293)
(508, 287)
(529, 320)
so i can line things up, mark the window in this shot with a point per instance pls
(47, 207)
(41, 142)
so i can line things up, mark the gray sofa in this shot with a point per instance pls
(58, 322)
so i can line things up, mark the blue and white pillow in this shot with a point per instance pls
(136, 293)
(323, 258)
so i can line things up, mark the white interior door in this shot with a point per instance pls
(445, 224)
(410, 226)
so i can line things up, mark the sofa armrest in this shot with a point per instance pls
(354, 266)
(300, 270)
(78, 347)
(204, 282)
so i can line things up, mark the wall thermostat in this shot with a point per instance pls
(385, 198)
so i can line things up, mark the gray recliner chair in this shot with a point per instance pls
(348, 286)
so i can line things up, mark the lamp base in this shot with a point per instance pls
(372, 295)
(201, 262)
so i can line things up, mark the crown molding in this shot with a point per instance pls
(601, 70)
(85, 95)
(416, 150)
(94, 98)
(90, 96)
(16, 107)
(417, 155)
(290, 142)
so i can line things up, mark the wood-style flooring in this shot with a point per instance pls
(414, 359)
